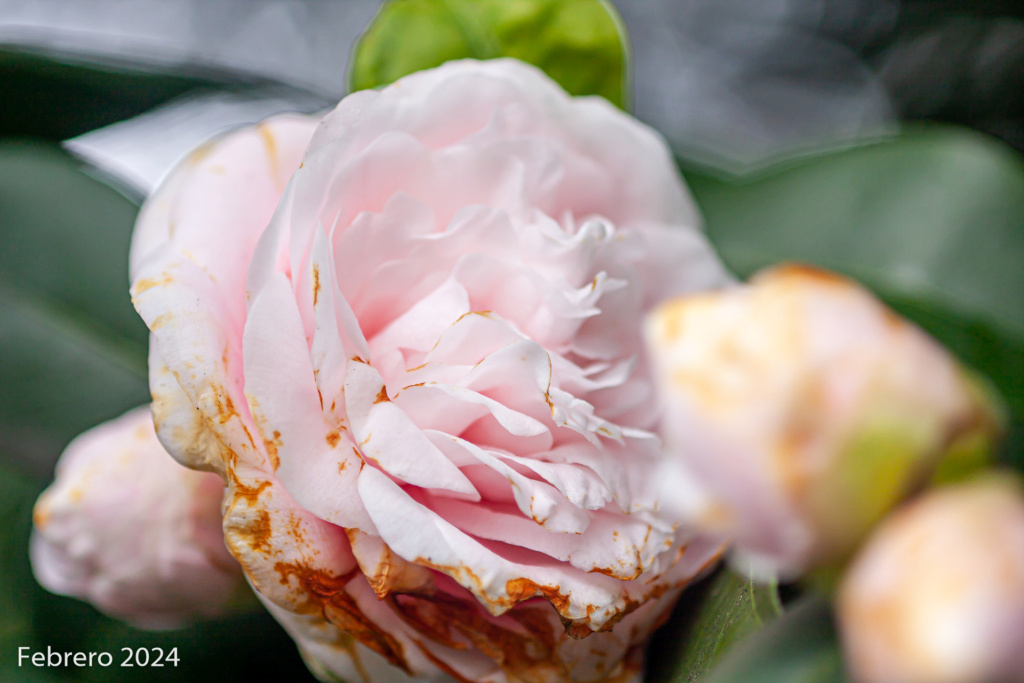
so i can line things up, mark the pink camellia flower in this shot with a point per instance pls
(413, 351)
(133, 532)
(937, 593)
(800, 410)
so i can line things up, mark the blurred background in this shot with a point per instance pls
(876, 137)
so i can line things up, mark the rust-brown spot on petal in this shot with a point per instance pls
(161, 320)
(382, 396)
(523, 589)
(525, 654)
(146, 283)
(272, 444)
(250, 494)
(316, 290)
(259, 533)
(333, 437)
(270, 147)
(326, 593)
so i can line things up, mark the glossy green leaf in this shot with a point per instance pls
(579, 43)
(72, 348)
(798, 647)
(932, 221)
(710, 619)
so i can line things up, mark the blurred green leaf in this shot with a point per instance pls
(73, 349)
(710, 619)
(932, 221)
(16, 583)
(579, 43)
(798, 647)
(54, 100)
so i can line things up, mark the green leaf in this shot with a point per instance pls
(581, 44)
(16, 620)
(50, 99)
(931, 220)
(798, 647)
(709, 620)
(73, 348)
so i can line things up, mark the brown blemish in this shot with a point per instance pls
(270, 146)
(272, 444)
(321, 397)
(316, 292)
(161, 320)
(248, 435)
(483, 314)
(40, 515)
(259, 532)
(295, 530)
(146, 283)
(382, 396)
(451, 622)
(523, 589)
(547, 391)
(251, 494)
(618, 573)
(333, 437)
(341, 467)
(224, 405)
(326, 594)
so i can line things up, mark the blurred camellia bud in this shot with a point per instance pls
(799, 410)
(130, 530)
(937, 593)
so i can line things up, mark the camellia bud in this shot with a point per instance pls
(937, 594)
(133, 532)
(800, 410)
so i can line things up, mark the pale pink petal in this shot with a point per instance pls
(313, 457)
(387, 437)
